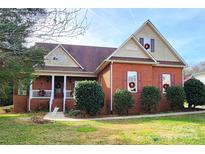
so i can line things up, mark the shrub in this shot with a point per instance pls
(75, 113)
(38, 119)
(123, 100)
(89, 97)
(195, 92)
(150, 98)
(176, 97)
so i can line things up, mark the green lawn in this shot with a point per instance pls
(189, 129)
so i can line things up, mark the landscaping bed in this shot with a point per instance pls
(130, 114)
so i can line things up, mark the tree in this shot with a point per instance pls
(18, 26)
(195, 92)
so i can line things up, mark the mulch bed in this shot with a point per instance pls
(132, 114)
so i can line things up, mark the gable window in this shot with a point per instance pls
(166, 82)
(148, 44)
(152, 45)
(132, 81)
(141, 40)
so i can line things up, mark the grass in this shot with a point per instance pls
(189, 129)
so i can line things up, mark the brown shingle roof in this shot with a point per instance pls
(89, 57)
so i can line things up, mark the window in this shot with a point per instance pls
(141, 40)
(22, 90)
(166, 82)
(132, 81)
(152, 45)
(148, 43)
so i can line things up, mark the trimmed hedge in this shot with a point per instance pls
(176, 97)
(150, 98)
(123, 100)
(195, 92)
(89, 97)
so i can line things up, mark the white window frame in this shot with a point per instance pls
(166, 82)
(132, 79)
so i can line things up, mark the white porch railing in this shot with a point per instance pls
(49, 94)
(69, 93)
(35, 94)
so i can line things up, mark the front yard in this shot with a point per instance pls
(189, 129)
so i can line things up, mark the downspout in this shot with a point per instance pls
(111, 87)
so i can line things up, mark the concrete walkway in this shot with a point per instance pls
(59, 116)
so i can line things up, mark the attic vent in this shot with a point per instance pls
(55, 58)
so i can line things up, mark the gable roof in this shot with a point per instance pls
(60, 46)
(93, 58)
(138, 44)
(83, 54)
(148, 22)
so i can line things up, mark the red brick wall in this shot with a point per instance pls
(42, 82)
(104, 80)
(20, 103)
(149, 76)
(39, 104)
(69, 104)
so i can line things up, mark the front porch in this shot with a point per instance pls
(48, 92)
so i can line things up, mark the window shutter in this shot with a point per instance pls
(125, 80)
(152, 45)
(172, 79)
(139, 82)
(160, 82)
(142, 41)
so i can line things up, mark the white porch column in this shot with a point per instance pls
(64, 94)
(52, 93)
(30, 95)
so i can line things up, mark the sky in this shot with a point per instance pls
(183, 28)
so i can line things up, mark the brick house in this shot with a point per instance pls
(144, 59)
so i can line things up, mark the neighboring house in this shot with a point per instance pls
(144, 59)
(200, 76)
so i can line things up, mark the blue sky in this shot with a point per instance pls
(183, 28)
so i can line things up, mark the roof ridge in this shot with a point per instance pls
(76, 45)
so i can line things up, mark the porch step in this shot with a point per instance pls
(57, 103)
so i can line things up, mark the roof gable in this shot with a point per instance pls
(60, 57)
(163, 50)
(89, 57)
(131, 48)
